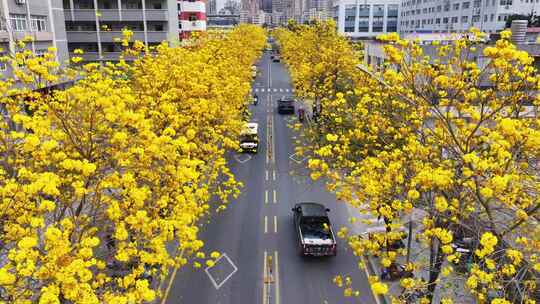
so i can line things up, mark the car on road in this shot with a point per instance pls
(314, 231)
(249, 137)
(285, 105)
(276, 58)
(254, 71)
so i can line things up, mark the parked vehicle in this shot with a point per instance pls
(255, 99)
(286, 105)
(315, 235)
(249, 138)
(276, 58)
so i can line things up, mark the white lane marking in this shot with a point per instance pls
(265, 224)
(269, 73)
(274, 174)
(281, 90)
(273, 137)
(266, 171)
(264, 278)
(275, 197)
(267, 138)
(286, 90)
(277, 277)
(275, 90)
(275, 224)
(266, 196)
(256, 90)
(235, 269)
(262, 90)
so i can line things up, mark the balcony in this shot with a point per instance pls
(186, 6)
(91, 36)
(189, 26)
(116, 15)
(106, 56)
(38, 36)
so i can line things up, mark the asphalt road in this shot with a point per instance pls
(258, 224)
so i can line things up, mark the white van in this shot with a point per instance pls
(249, 137)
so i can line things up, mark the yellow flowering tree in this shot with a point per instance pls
(96, 180)
(447, 138)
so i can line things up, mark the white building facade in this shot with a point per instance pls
(191, 17)
(363, 19)
(452, 16)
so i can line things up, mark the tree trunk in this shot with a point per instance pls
(409, 243)
(435, 265)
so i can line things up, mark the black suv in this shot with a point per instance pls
(315, 235)
(286, 105)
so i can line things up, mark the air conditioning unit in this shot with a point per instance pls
(20, 1)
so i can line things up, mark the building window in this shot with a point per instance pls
(476, 18)
(83, 4)
(439, 8)
(18, 22)
(378, 23)
(363, 24)
(378, 10)
(466, 5)
(477, 3)
(464, 19)
(445, 20)
(492, 17)
(438, 21)
(39, 23)
(507, 2)
(392, 18)
(485, 18)
(350, 13)
(446, 7)
(393, 10)
(134, 5)
(454, 19)
(364, 10)
(349, 29)
(456, 6)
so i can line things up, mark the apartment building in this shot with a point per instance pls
(43, 20)
(460, 15)
(367, 18)
(94, 25)
(191, 16)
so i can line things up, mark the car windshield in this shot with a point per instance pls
(315, 228)
(248, 138)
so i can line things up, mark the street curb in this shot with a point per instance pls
(371, 268)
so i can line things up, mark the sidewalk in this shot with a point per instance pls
(450, 286)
